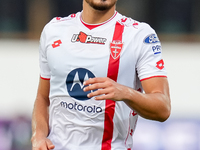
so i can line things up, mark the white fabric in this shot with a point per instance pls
(75, 121)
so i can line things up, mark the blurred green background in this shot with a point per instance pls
(172, 19)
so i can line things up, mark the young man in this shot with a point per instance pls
(94, 67)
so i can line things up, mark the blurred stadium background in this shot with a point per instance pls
(177, 23)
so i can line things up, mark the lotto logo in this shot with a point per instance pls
(160, 64)
(56, 44)
(84, 38)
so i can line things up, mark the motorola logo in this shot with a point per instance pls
(75, 81)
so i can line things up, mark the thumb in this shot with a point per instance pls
(50, 144)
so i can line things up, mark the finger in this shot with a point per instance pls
(94, 86)
(97, 93)
(40, 147)
(49, 144)
(94, 80)
(104, 97)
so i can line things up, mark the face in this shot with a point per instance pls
(101, 4)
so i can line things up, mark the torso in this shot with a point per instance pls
(74, 54)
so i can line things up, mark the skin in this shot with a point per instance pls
(154, 104)
(92, 15)
(40, 118)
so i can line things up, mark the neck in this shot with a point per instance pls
(92, 16)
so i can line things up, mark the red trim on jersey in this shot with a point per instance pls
(113, 69)
(153, 77)
(129, 128)
(44, 78)
(92, 26)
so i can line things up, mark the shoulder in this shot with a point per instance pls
(135, 25)
(71, 17)
(141, 32)
(58, 24)
(57, 21)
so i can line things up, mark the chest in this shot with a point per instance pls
(78, 48)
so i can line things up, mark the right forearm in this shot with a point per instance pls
(40, 119)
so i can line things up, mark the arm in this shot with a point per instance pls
(40, 118)
(154, 104)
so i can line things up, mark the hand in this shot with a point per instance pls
(105, 88)
(42, 144)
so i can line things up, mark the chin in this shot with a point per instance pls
(101, 5)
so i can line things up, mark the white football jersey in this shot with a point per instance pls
(71, 52)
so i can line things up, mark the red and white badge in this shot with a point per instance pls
(116, 48)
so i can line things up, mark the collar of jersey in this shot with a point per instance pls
(92, 26)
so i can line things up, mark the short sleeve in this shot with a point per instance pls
(44, 67)
(150, 63)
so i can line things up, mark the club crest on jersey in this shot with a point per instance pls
(84, 38)
(116, 48)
